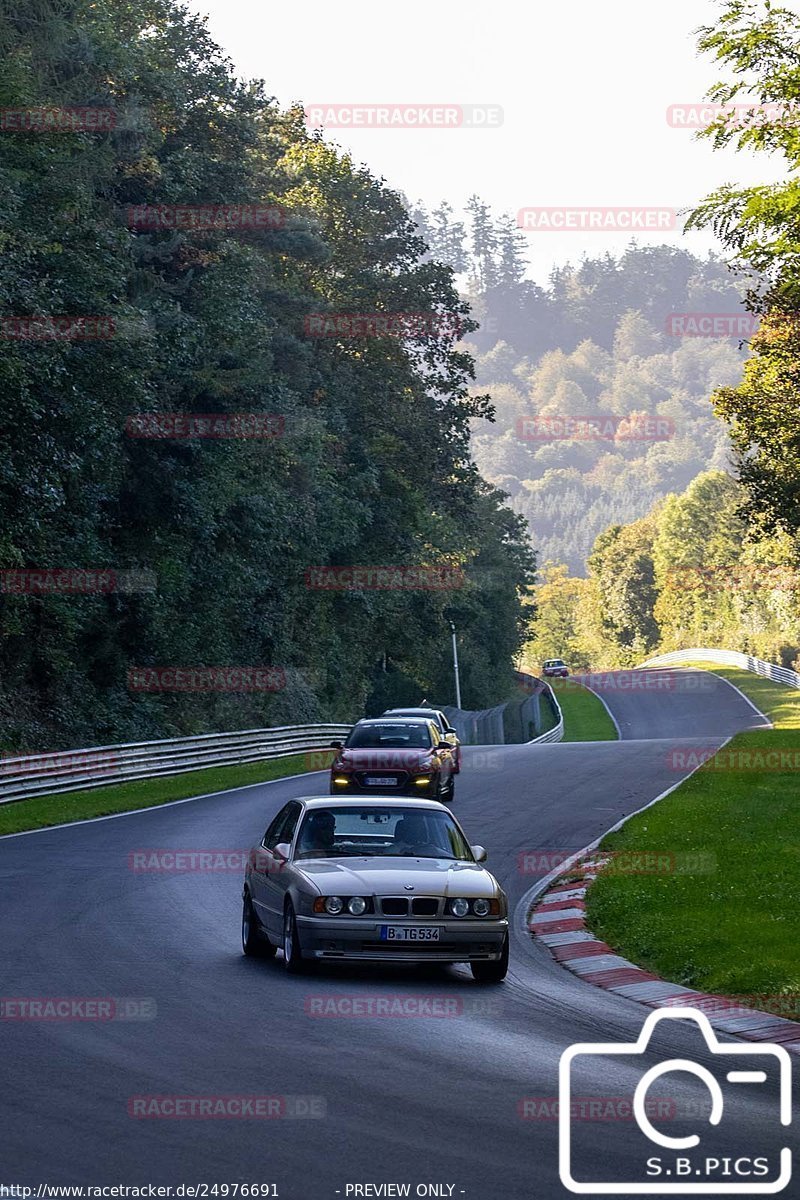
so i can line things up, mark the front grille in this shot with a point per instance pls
(421, 906)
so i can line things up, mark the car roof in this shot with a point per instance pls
(367, 801)
(394, 720)
(412, 712)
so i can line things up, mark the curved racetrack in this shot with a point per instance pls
(408, 1100)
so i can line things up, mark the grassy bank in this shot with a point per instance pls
(733, 926)
(148, 793)
(585, 716)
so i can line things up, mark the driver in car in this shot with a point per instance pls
(317, 833)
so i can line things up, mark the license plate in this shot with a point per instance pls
(405, 933)
(380, 781)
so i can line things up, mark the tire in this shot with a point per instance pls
(491, 972)
(292, 954)
(254, 941)
(448, 794)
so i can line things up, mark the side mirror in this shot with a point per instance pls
(478, 853)
(282, 850)
(336, 745)
(451, 732)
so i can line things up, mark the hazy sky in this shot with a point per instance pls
(584, 88)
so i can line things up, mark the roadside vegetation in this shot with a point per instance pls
(694, 572)
(42, 811)
(586, 718)
(725, 919)
(213, 233)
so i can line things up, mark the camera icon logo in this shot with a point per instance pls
(690, 1164)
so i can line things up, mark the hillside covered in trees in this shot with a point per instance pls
(200, 229)
(597, 342)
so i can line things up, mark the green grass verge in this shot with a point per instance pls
(734, 926)
(42, 811)
(585, 716)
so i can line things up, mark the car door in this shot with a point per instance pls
(278, 872)
(266, 865)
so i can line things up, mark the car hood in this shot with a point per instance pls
(389, 759)
(388, 877)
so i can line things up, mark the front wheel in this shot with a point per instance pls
(492, 972)
(292, 954)
(448, 793)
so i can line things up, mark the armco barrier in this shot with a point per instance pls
(556, 734)
(540, 689)
(23, 777)
(727, 658)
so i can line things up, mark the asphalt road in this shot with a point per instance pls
(415, 1101)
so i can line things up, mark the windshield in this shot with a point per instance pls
(373, 832)
(394, 734)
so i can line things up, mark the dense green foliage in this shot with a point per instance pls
(374, 465)
(691, 573)
(758, 46)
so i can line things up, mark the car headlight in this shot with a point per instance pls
(334, 904)
(356, 905)
(481, 907)
(459, 907)
(422, 780)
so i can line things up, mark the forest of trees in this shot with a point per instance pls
(372, 465)
(595, 342)
(719, 563)
(690, 573)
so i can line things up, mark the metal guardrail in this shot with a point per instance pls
(557, 733)
(540, 687)
(727, 658)
(25, 776)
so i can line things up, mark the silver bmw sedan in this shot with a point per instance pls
(382, 879)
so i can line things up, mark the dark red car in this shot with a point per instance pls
(394, 757)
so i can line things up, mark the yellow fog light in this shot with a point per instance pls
(423, 781)
(340, 780)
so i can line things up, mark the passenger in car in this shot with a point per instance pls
(411, 836)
